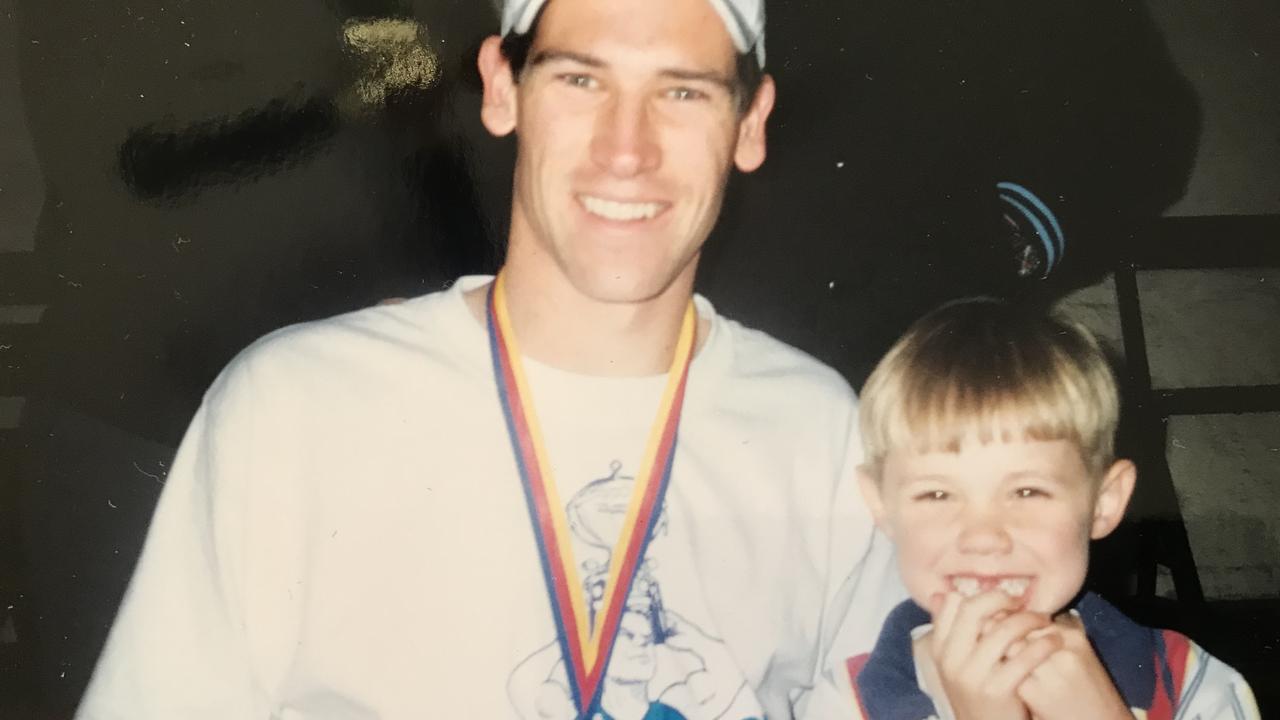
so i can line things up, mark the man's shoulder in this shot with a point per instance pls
(350, 332)
(403, 320)
(345, 345)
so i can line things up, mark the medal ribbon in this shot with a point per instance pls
(585, 646)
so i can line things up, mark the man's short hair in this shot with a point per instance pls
(989, 370)
(748, 74)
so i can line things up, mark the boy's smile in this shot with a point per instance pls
(1014, 586)
(1014, 516)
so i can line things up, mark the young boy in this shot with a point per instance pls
(989, 437)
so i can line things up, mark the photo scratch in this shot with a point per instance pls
(153, 476)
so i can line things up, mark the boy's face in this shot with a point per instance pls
(1013, 516)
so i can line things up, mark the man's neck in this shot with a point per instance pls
(557, 326)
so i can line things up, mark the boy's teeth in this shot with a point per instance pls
(967, 586)
(613, 210)
(970, 586)
(1013, 587)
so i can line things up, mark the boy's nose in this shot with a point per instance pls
(625, 144)
(985, 535)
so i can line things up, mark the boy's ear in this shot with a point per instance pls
(498, 106)
(1113, 498)
(870, 488)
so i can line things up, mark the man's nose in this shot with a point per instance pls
(985, 533)
(625, 142)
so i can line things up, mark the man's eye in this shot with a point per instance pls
(684, 93)
(579, 81)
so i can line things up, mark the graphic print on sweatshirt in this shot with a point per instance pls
(663, 666)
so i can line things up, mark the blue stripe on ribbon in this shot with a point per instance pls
(505, 399)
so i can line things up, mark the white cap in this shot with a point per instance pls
(743, 18)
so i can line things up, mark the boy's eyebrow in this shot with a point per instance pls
(926, 478)
(1034, 475)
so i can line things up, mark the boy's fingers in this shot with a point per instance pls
(963, 633)
(1012, 673)
(1051, 629)
(944, 617)
(990, 623)
(1015, 647)
(992, 648)
(1071, 627)
(1069, 620)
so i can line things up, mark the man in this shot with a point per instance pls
(445, 507)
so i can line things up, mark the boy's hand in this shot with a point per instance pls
(968, 646)
(1071, 682)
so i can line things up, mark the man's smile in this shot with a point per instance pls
(620, 211)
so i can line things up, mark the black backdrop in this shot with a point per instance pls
(210, 178)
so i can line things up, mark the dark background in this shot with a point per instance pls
(209, 175)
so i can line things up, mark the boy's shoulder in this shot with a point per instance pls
(885, 681)
(1193, 683)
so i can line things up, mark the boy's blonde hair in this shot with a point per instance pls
(986, 369)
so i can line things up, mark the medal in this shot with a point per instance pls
(586, 638)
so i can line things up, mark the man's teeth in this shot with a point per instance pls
(970, 586)
(614, 210)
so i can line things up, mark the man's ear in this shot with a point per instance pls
(498, 107)
(750, 151)
(1113, 498)
(870, 487)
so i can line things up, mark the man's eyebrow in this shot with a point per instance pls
(709, 76)
(546, 56)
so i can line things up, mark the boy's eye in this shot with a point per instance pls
(1030, 492)
(932, 495)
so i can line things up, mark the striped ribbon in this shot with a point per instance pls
(585, 644)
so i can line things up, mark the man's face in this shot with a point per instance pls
(1014, 516)
(627, 126)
